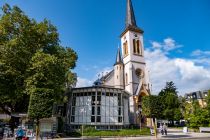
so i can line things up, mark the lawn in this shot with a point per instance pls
(123, 132)
(105, 133)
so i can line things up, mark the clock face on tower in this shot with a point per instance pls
(139, 73)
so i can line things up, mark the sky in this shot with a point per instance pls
(176, 36)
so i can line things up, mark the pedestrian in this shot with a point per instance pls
(161, 128)
(19, 133)
(165, 129)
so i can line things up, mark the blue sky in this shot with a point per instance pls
(92, 29)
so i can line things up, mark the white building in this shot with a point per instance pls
(115, 100)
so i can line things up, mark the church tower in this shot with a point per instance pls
(118, 71)
(135, 74)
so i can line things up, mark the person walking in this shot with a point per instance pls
(19, 133)
(161, 128)
(165, 129)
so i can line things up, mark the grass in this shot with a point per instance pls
(123, 132)
(105, 133)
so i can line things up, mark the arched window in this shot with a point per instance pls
(125, 48)
(134, 46)
(126, 78)
(137, 45)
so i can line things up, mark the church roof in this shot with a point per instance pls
(103, 78)
(130, 23)
(118, 57)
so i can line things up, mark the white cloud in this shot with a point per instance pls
(200, 53)
(185, 73)
(156, 45)
(103, 72)
(201, 57)
(167, 45)
(82, 82)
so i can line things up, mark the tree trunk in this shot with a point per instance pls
(155, 127)
(37, 129)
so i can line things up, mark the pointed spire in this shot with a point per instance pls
(130, 23)
(130, 17)
(118, 57)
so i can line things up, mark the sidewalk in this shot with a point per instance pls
(159, 137)
(172, 134)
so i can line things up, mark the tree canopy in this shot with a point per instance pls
(31, 60)
(170, 102)
(151, 106)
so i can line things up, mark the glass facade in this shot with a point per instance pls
(98, 106)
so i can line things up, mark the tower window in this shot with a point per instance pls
(134, 46)
(117, 76)
(137, 48)
(125, 48)
(137, 45)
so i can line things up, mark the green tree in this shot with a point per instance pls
(171, 103)
(169, 88)
(45, 85)
(208, 102)
(32, 64)
(151, 106)
(20, 39)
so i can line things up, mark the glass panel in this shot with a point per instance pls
(119, 111)
(93, 100)
(98, 110)
(98, 119)
(72, 118)
(93, 110)
(99, 93)
(92, 118)
(119, 100)
(73, 111)
(119, 119)
(98, 100)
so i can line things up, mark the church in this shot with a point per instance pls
(114, 100)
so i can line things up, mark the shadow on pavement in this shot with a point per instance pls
(176, 136)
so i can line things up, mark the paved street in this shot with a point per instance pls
(172, 134)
